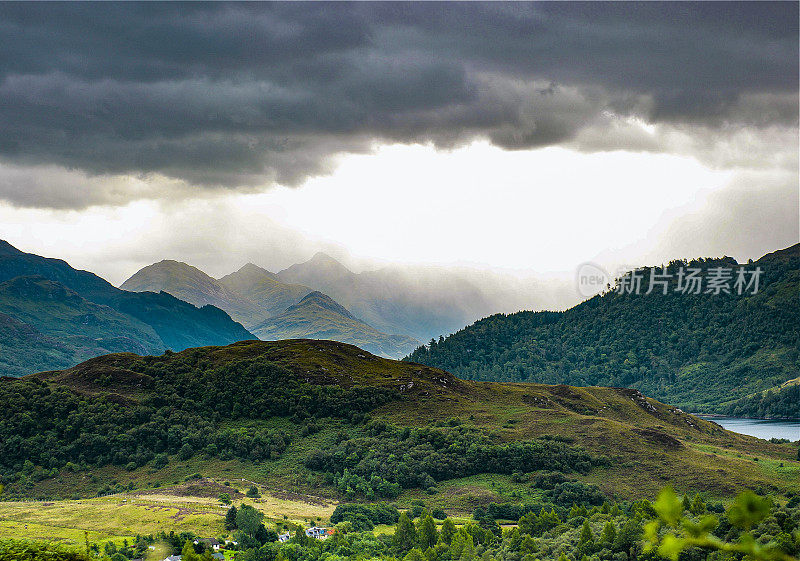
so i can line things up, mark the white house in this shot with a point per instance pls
(319, 533)
(211, 543)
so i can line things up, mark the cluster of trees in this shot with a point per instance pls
(183, 403)
(560, 497)
(365, 517)
(48, 428)
(781, 403)
(247, 523)
(389, 458)
(253, 388)
(664, 345)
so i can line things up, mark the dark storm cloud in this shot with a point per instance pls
(238, 95)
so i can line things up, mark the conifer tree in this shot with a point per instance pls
(230, 519)
(609, 534)
(188, 553)
(448, 531)
(405, 535)
(460, 541)
(586, 541)
(427, 536)
(698, 505)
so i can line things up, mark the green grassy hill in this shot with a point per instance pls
(700, 352)
(317, 316)
(331, 420)
(79, 329)
(57, 316)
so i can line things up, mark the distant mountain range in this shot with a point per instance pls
(426, 302)
(53, 316)
(697, 351)
(270, 308)
(411, 301)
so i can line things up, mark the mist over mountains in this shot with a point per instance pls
(426, 302)
(270, 308)
(54, 316)
(417, 303)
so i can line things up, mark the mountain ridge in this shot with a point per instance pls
(264, 287)
(423, 302)
(192, 285)
(163, 321)
(270, 307)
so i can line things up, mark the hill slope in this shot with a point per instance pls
(697, 351)
(261, 286)
(149, 322)
(194, 286)
(317, 316)
(81, 328)
(330, 419)
(23, 349)
(780, 402)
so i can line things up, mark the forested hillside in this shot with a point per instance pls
(666, 345)
(331, 419)
(777, 403)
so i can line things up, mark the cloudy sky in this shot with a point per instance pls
(509, 136)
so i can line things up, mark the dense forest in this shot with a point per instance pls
(778, 403)
(666, 345)
(389, 458)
